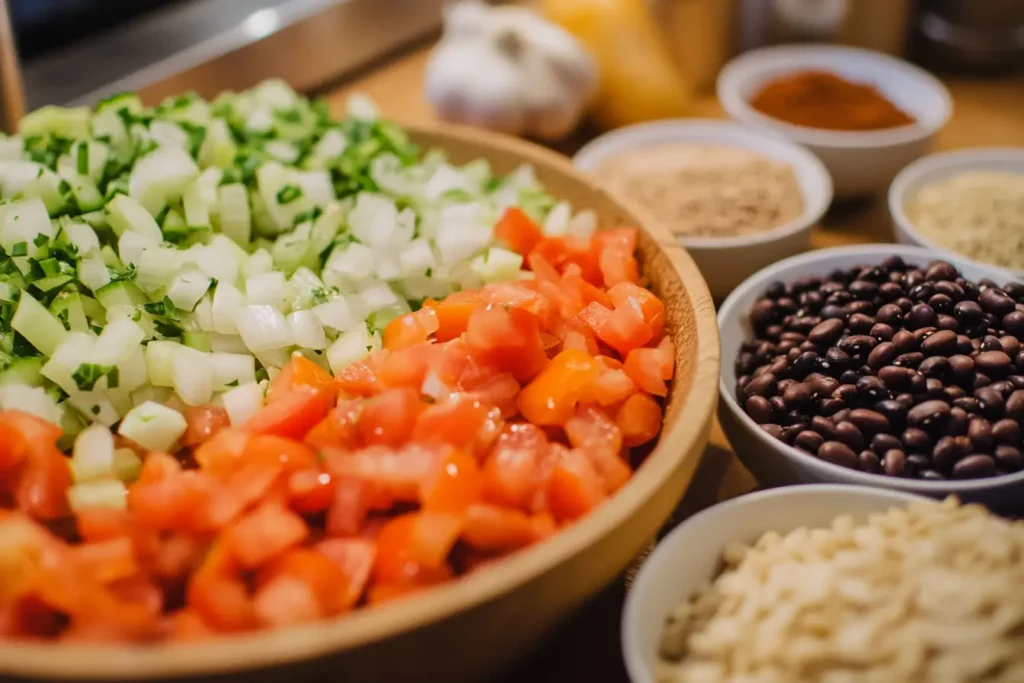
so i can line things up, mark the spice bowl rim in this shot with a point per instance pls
(939, 165)
(712, 527)
(822, 261)
(791, 58)
(816, 199)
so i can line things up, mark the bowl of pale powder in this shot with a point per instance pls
(737, 199)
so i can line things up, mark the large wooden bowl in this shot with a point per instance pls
(473, 626)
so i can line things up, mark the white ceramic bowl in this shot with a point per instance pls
(688, 558)
(774, 463)
(861, 162)
(725, 262)
(935, 167)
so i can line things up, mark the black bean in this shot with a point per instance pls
(894, 462)
(895, 378)
(1013, 323)
(946, 322)
(941, 303)
(871, 389)
(881, 331)
(1009, 458)
(942, 343)
(928, 415)
(893, 410)
(824, 426)
(993, 363)
(773, 430)
(1015, 404)
(915, 440)
(869, 462)
(889, 314)
(968, 403)
(995, 302)
(931, 475)
(849, 434)
(1011, 345)
(992, 404)
(909, 360)
(858, 345)
(961, 366)
(881, 355)
(765, 385)
(830, 406)
(949, 449)
(838, 453)
(778, 405)
(967, 312)
(950, 289)
(975, 466)
(880, 443)
(1006, 432)
(979, 431)
(936, 366)
(954, 392)
(809, 441)
(763, 313)
(940, 270)
(918, 462)
(869, 422)
(826, 332)
(904, 342)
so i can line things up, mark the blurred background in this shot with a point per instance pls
(76, 51)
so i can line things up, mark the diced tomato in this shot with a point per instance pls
(397, 474)
(512, 473)
(102, 524)
(408, 366)
(263, 534)
(629, 294)
(291, 416)
(270, 450)
(176, 557)
(411, 329)
(453, 313)
(105, 561)
(499, 391)
(639, 420)
(251, 482)
(667, 358)
(338, 429)
(612, 386)
(288, 583)
(494, 528)
(455, 485)
(310, 490)
(574, 487)
(178, 501)
(507, 340)
(551, 398)
(218, 595)
(414, 546)
(359, 379)
(598, 437)
(389, 418)
(13, 448)
(203, 422)
(646, 368)
(43, 484)
(517, 231)
(518, 295)
(303, 374)
(187, 626)
(350, 502)
(355, 558)
(460, 421)
(223, 453)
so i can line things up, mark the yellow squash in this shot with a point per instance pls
(638, 79)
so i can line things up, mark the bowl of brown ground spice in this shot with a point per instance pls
(737, 199)
(866, 115)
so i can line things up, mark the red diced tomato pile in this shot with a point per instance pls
(488, 421)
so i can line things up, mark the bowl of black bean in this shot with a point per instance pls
(882, 366)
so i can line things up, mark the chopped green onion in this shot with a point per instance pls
(87, 374)
(288, 194)
(19, 249)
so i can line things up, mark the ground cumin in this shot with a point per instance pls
(820, 99)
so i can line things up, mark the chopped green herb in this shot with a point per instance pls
(168, 330)
(262, 374)
(233, 383)
(19, 249)
(164, 307)
(288, 194)
(88, 374)
(113, 378)
(83, 158)
(95, 410)
(41, 239)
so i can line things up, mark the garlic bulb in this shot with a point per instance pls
(508, 69)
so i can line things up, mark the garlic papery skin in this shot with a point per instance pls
(510, 70)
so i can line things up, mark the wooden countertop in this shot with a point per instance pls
(986, 113)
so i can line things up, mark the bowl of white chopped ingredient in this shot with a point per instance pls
(736, 198)
(969, 202)
(831, 583)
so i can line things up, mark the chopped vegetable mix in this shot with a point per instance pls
(487, 420)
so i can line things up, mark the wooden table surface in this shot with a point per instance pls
(989, 112)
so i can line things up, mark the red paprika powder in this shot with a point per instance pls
(820, 99)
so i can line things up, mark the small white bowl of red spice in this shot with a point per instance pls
(865, 114)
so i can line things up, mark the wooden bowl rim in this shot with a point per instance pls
(678, 441)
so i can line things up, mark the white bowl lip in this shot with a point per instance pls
(757, 281)
(631, 649)
(739, 70)
(725, 133)
(942, 164)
